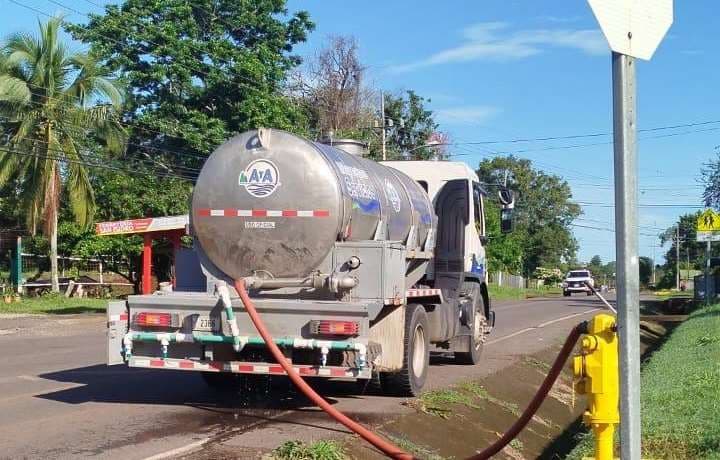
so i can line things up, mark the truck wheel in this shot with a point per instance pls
(477, 340)
(566, 293)
(416, 356)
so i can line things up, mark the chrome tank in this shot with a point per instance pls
(271, 202)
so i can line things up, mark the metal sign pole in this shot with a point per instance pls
(708, 250)
(626, 245)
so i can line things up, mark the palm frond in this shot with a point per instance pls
(80, 192)
(14, 90)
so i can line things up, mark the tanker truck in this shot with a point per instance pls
(358, 268)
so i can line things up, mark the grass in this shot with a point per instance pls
(679, 393)
(440, 402)
(413, 448)
(508, 293)
(298, 450)
(54, 304)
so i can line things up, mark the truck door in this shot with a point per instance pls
(452, 206)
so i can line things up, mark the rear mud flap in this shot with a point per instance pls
(117, 327)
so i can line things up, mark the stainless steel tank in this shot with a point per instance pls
(269, 201)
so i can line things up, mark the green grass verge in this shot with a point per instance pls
(508, 293)
(54, 304)
(298, 450)
(680, 393)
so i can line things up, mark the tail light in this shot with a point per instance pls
(327, 327)
(153, 319)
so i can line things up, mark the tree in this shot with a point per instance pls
(596, 261)
(690, 248)
(544, 212)
(47, 94)
(646, 268)
(331, 90)
(200, 70)
(711, 178)
(412, 127)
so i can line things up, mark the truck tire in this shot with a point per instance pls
(416, 356)
(478, 322)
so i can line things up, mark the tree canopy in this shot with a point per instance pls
(198, 71)
(544, 212)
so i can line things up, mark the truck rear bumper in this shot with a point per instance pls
(239, 367)
(182, 347)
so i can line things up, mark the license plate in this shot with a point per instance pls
(206, 323)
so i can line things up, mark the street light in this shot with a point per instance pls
(431, 144)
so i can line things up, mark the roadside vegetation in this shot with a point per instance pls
(508, 293)
(55, 304)
(679, 393)
(298, 450)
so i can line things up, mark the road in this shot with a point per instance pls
(58, 399)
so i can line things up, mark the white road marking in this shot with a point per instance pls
(198, 444)
(541, 325)
(180, 450)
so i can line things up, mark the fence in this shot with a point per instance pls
(506, 280)
(99, 275)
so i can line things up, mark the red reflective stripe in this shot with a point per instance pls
(307, 371)
(187, 365)
(337, 372)
(276, 370)
(321, 213)
(157, 363)
(123, 317)
(203, 212)
(230, 212)
(246, 368)
(259, 212)
(289, 212)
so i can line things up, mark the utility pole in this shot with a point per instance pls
(382, 125)
(653, 266)
(677, 257)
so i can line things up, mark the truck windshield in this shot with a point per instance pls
(578, 275)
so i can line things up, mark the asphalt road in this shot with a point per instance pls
(58, 399)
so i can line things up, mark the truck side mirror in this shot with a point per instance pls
(506, 220)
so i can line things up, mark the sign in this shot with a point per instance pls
(633, 27)
(708, 236)
(150, 224)
(708, 226)
(708, 221)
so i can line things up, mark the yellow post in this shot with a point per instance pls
(596, 375)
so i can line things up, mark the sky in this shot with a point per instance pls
(507, 70)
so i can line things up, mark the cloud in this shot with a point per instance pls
(465, 115)
(493, 41)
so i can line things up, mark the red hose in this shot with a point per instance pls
(386, 447)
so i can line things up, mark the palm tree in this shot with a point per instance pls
(52, 115)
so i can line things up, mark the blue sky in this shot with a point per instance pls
(511, 69)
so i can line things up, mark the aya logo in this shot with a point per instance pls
(260, 178)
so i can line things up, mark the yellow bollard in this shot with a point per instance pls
(596, 375)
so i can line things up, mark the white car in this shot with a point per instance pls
(577, 281)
